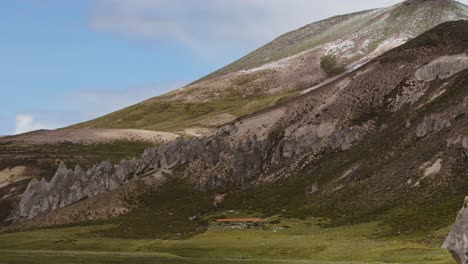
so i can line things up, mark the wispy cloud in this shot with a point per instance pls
(216, 25)
(26, 123)
(83, 105)
(93, 103)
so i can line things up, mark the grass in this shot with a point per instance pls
(164, 213)
(44, 156)
(176, 116)
(304, 241)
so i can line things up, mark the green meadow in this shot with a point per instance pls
(286, 241)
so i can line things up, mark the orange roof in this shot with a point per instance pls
(255, 220)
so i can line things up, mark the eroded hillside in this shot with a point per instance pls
(385, 141)
(283, 68)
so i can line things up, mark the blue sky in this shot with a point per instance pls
(65, 62)
(55, 66)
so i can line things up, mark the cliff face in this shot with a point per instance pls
(457, 240)
(395, 92)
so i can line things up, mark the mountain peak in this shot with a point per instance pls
(418, 2)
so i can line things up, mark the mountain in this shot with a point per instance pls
(290, 64)
(385, 142)
(377, 154)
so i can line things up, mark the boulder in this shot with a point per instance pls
(457, 240)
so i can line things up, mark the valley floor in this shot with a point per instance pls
(290, 241)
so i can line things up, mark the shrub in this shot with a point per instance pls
(330, 65)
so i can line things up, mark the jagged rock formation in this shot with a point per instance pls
(68, 187)
(457, 240)
(286, 140)
(242, 163)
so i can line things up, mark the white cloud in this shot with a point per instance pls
(83, 105)
(216, 25)
(26, 123)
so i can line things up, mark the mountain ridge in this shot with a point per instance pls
(327, 140)
(296, 62)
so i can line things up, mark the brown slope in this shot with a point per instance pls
(379, 141)
(284, 68)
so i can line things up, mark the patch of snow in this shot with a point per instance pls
(429, 169)
(366, 43)
(282, 63)
(339, 46)
(433, 169)
(435, 96)
(389, 44)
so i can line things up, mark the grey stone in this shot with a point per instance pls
(442, 68)
(212, 161)
(311, 189)
(431, 124)
(457, 240)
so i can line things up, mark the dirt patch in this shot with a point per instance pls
(90, 136)
(195, 131)
(12, 175)
(218, 120)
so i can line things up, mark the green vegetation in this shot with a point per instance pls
(164, 213)
(176, 116)
(331, 66)
(114, 151)
(304, 241)
(44, 157)
(5, 209)
(58, 257)
(408, 220)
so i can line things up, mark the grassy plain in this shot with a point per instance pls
(287, 241)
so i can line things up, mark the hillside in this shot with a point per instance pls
(283, 68)
(385, 142)
(36, 154)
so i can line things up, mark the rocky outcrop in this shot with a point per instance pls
(431, 124)
(465, 147)
(460, 142)
(67, 187)
(443, 68)
(457, 240)
(70, 186)
(209, 162)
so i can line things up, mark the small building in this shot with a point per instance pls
(241, 223)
